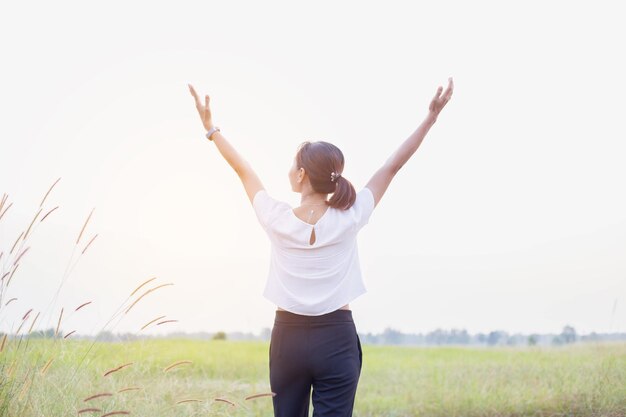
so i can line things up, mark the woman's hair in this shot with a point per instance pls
(319, 159)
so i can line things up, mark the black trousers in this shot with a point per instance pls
(323, 352)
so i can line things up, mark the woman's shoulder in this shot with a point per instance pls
(363, 207)
(263, 197)
(267, 208)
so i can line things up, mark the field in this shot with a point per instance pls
(574, 380)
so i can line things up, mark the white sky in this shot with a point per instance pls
(511, 214)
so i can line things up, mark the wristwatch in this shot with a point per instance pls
(211, 131)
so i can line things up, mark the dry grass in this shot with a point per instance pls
(152, 321)
(117, 368)
(175, 364)
(144, 294)
(26, 370)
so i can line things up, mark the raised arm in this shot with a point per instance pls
(382, 178)
(249, 178)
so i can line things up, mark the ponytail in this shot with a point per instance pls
(344, 196)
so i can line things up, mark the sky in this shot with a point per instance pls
(510, 216)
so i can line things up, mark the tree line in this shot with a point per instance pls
(389, 336)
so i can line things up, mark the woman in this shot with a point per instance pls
(314, 271)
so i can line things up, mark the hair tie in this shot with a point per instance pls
(334, 176)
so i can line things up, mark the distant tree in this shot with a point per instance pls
(38, 334)
(436, 337)
(392, 337)
(532, 340)
(219, 336)
(47, 333)
(266, 333)
(493, 338)
(593, 336)
(459, 336)
(568, 335)
(557, 340)
(496, 337)
(370, 338)
(106, 336)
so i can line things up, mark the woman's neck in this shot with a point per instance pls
(313, 199)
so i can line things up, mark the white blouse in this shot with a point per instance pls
(319, 278)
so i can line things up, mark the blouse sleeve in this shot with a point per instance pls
(266, 207)
(364, 206)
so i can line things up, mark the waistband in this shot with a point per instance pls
(287, 317)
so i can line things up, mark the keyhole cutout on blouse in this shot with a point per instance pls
(312, 239)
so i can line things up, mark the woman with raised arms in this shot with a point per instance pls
(314, 271)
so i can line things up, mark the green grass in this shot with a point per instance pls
(575, 380)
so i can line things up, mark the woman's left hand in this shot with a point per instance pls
(203, 110)
(440, 100)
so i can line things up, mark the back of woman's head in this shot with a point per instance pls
(320, 159)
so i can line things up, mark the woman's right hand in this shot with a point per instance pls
(203, 110)
(439, 101)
